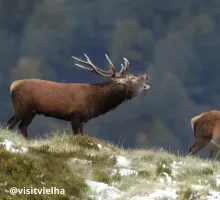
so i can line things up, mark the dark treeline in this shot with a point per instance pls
(177, 42)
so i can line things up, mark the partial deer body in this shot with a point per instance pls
(206, 128)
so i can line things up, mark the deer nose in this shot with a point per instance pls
(146, 76)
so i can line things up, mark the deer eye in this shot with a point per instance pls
(133, 78)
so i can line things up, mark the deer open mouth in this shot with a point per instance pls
(145, 86)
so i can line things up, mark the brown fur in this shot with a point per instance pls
(73, 102)
(206, 128)
(14, 85)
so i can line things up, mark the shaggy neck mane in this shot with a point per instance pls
(108, 96)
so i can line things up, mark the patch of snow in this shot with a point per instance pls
(122, 161)
(99, 146)
(92, 154)
(175, 172)
(161, 180)
(124, 172)
(102, 191)
(216, 176)
(168, 178)
(9, 146)
(213, 195)
(205, 165)
(175, 167)
(200, 187)
(165, 193)
(80, 161)
(140, 198)
(106, 148)
(92, 144)
(157, 194)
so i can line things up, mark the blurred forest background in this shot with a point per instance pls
(177, 42)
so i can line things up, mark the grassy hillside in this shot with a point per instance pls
(88, 168)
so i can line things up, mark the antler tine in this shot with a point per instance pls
(126, 60)
(110, 62)
(83, 67)
(87, 57)
(100, 70)
(88, 62)
(94, 68)
(82, 61)
(124, 68)
(112, 68)
(126, 64)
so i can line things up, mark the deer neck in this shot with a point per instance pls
(108, 96)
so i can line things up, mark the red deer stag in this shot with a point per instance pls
(206, 128)
(74, 102)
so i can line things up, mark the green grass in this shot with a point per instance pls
(46, 164)
(66, 161)
(163, 167)
(37, 170)
(187, 193)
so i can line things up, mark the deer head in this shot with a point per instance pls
(137, 82)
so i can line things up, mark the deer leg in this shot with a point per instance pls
(12, 122)
(25, 123)
(197, 146)
(214, 148)
(19, 114)
(81, 129)
(77, 125)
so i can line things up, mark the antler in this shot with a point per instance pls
(124, 68)
(110, 73)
